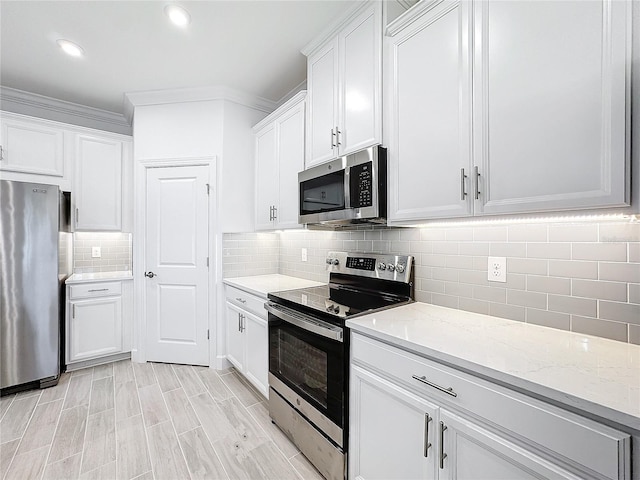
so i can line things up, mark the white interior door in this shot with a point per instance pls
(177, 282)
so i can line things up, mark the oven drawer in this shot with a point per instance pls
(546, 427)
(246, 301)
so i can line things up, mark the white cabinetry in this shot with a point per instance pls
(279, 158)
(98, 321)
(33, 150)
(344, 88)
(550, 94)
(98, 183)
(247, 336)
(413, 418)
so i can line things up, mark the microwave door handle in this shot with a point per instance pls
(347, 187)
(329, 331)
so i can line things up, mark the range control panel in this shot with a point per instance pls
(375, 265)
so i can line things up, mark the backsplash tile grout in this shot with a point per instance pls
(583, 277)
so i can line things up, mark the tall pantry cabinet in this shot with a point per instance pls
(498, 107)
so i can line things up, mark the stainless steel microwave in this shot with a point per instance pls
(349, 190)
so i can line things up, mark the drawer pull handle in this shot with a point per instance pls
(443, 455)
(241, 300)
(427, 445)
(423, 379)
(99, 290)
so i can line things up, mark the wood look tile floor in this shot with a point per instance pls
(145, 421)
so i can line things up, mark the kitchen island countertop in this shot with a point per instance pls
(594, 375)
(261, 285)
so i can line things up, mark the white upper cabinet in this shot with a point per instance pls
(344, 88)
(279, 157)
(98, 183)
(551, 116)
(533, 118)
(33, 150)
(429, 130)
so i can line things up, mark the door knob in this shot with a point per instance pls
(150, 274)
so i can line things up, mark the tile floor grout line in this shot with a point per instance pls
(144, 427)
(46, 462)
(184, 457)
(10, 403)
(15, 454)
(115, 412)
(86, 427)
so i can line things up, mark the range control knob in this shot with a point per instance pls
(391, 267)
(382, 266)
(335, 261)
(328, 261)
(336, 309)
(400, 268)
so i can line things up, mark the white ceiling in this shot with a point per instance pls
(130, 46)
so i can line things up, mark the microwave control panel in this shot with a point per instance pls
(361, 183)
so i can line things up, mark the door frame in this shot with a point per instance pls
(139, 345)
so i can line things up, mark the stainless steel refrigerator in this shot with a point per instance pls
(29, 284)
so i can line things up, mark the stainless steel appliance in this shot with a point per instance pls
(349, 190)
(29, 284)
(309, 350)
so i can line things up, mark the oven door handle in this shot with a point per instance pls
(306, 323)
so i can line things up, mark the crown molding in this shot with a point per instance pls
(286, 106)
(200, 94)
(40, 106)
(334, 28)
(302, 86)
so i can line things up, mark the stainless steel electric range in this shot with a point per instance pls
(309, 350)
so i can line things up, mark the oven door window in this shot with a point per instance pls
(311, 365)
(322, 194)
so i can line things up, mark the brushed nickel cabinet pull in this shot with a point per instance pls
(275, 213)
(1, 153)
(338, 133)
(462, 178)
(73, 313)
(423, 379)
(477, 175)
(427, 444)
(333, 134)
(443, 455)
(241, 300)
(98, 290)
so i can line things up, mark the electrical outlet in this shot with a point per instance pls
(96, 252)
(497, 269)
(304, 254)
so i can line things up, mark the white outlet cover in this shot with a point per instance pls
(96, 252)
(304, 254)
(497, 269)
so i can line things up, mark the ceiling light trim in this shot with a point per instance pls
(178, 15)
(70, 48)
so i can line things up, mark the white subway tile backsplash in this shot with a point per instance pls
(545, 285)
(613, 252)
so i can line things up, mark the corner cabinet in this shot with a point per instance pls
(507, 107)
(98, 322)
(412, 418)
(247, 337)
(344, 81)
(279, 157)
(101, 165)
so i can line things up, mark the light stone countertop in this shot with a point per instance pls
(99, 277)
(261, 285)
(595, 375)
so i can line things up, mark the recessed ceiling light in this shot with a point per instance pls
(177, 15)
(71, 48)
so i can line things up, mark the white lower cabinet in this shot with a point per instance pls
(98, 321)
(412, 418)
(247, 337)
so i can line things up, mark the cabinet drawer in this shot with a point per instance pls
(101, 289)
(575, 440)
(246, 301)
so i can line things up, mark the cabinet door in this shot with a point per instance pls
(257, 348)
(266, 177)
(290, 162)
(551, 96)
(392, 432)
(322, 97)
(474, 453)
(94, 328)
(430, 114)
(98, 183)
(32, 147)
(360, 74)
(235, 337)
